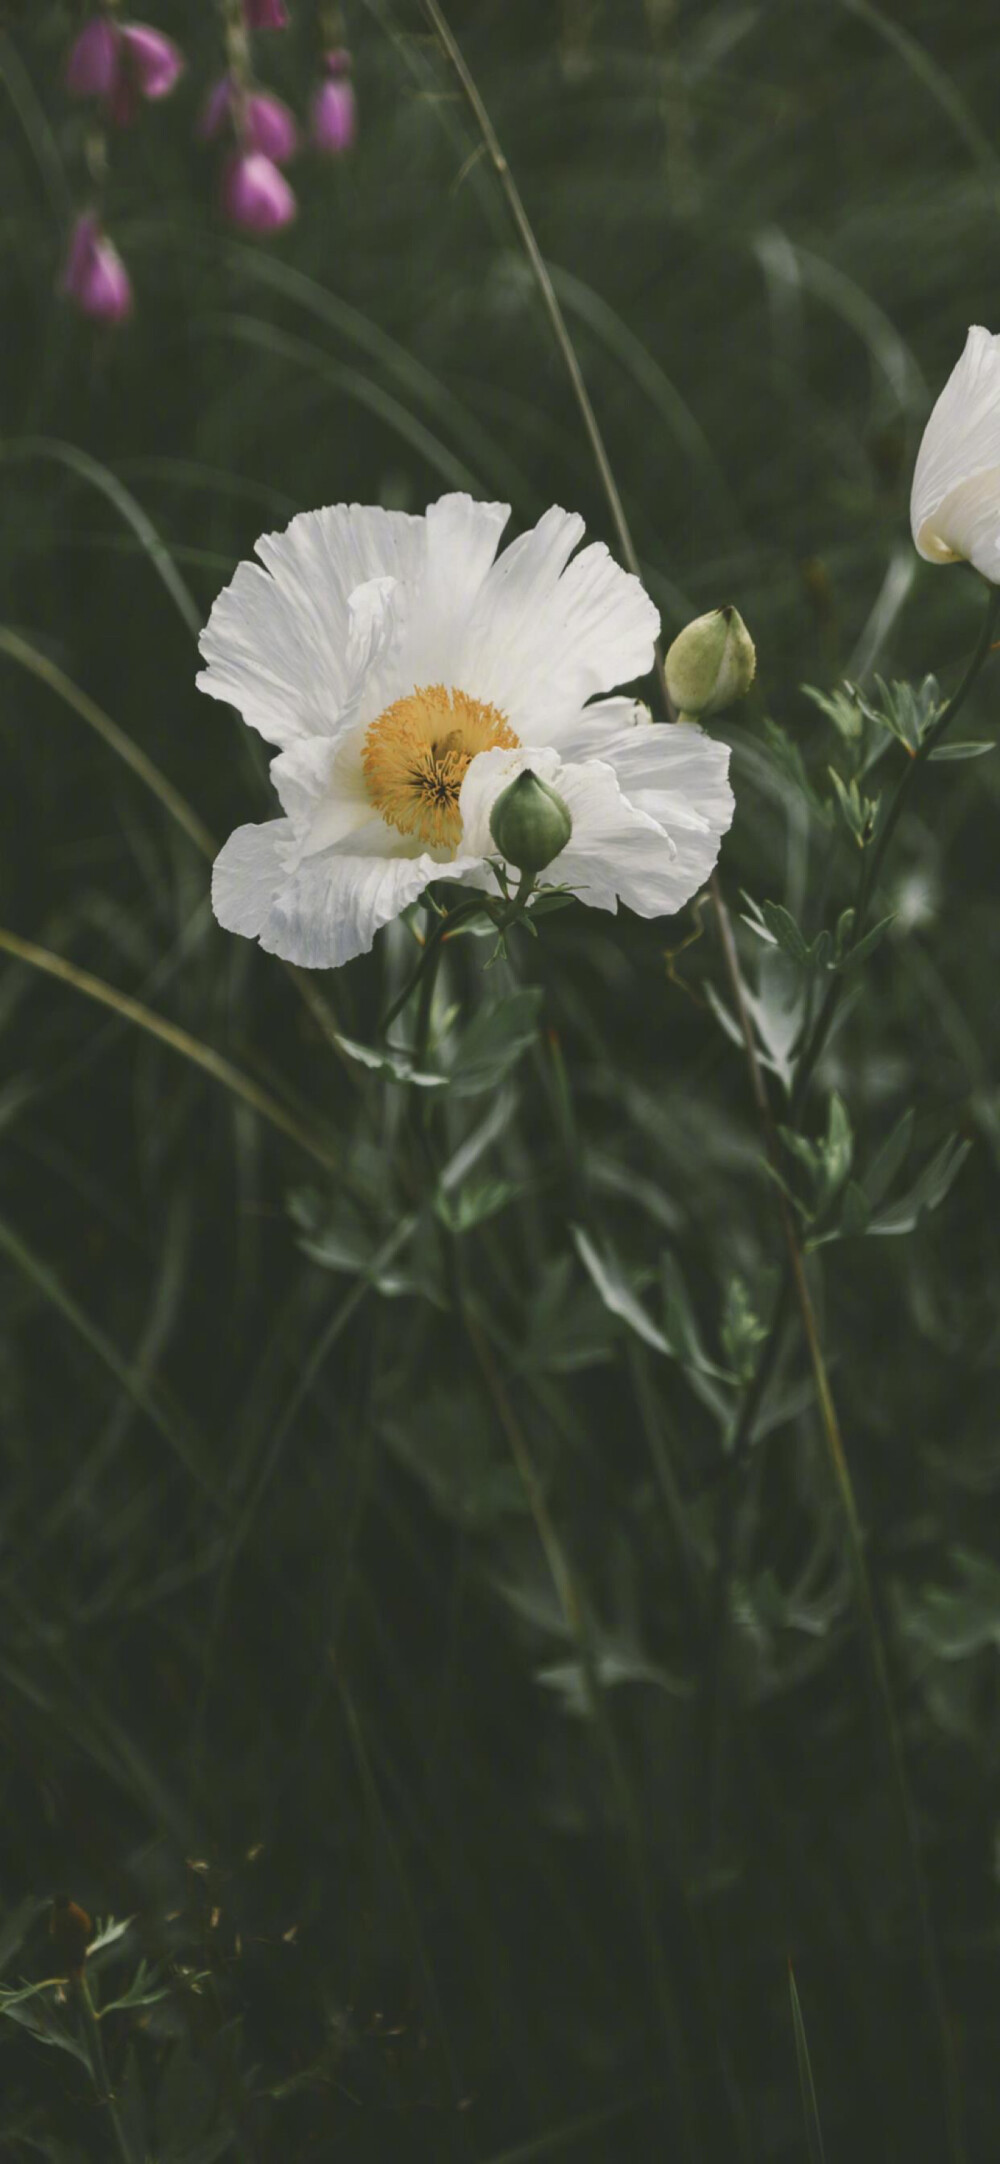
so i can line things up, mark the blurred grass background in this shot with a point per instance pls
(283, 1673)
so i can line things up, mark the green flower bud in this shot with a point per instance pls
(711, 664)
(530, 823)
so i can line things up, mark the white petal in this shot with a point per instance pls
(680, 776)
(278, 641)
(329, 908)
(247, 875)
(547, 633)
(955, 501)
(462, 541)
(616, 852)
(321, 785)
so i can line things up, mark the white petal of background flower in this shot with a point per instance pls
(955, 500)
(355, 616)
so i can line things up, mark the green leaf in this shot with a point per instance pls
(973, 749)
(859, 812)
(397, 1066)
(788, 759)
(475, 1202)
(34, 2011)
(855, 1215)
(494, 1042)
(553, 898)
(566, 1327)
(907, 710)
(890, 1158)
(867, 944)
(956, 1621)
(927, 1193)
(609, 1280)
(842, 707)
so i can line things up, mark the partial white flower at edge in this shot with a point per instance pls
(407, 673)
(955, 502)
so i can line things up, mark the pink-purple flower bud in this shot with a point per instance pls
(94, 61)
(154, 62)
(268, 124)
(265, 14)
(334, 116)
(94, 275)
(255, 194)
(119, 63)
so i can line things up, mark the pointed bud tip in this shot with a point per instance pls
(530, 823)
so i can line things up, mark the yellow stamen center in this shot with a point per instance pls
(416, 756)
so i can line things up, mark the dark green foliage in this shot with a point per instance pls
(413, 1618)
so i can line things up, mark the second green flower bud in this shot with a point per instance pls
(529, 823)
(711, 664)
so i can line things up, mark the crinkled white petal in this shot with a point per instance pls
(325, 910)
(321, 785)
(280, 643)
(955, 501)
(680, 776)
(548, 632)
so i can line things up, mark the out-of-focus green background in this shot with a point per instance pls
(283, 1674)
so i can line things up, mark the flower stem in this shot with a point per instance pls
(429, 958)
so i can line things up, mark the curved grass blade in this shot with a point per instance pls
(606, 324)
(34, 121)
(139, 1388)
(96, 475)
(283, 346)
(178, 1040)
(807, 2087)
(21, 650)
(412, 375)
(939, 85)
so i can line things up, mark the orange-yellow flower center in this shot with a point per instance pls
(416, 756)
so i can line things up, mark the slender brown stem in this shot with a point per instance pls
(547, 291)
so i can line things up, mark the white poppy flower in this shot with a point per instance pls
(955, 504)
(407, 673)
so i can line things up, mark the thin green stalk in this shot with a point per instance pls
(727, 1552)
(429, 958)
(550, 301)
(94, 2045)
